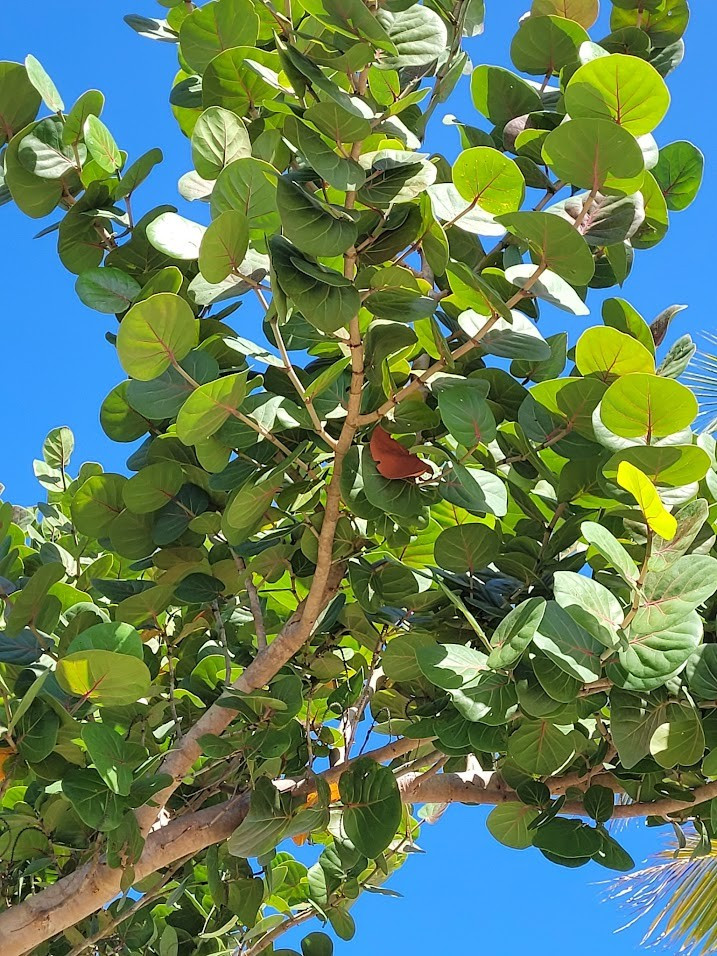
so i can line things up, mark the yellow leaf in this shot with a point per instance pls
(645, 493)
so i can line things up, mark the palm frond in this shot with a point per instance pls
(679, 893)
(703, 381)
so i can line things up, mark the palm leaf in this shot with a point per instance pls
(703, 381)
(679, 893)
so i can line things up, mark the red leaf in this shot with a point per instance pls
(392, 459)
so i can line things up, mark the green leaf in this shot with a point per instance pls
(515, 632)
(622, 88)
(209, 406)
(325, 297)
(400, 659)
(97, 503)
(339, 172)
(569, 645)
(543, 45)
(567, 838)
(104, 677)
(634, 719)
(489, 179)
(640, 404)
(58, 447)
(218, 138)
(114, 757)
(175, 236)
(19, 100)
(467, 415)
(153, 487)
(34, 196)
(450, 666)
(249, 186)
(417, 33)
(43, 84)
(590, 604)
(656, 653)
(679, 173)
(608, 353)
(584, 12)
(679, 738)
(107, 290)
(156, 333)
(620, 315)
(466, 548)
(214, 27)
(611, 549)
(554, 244)
(315, 228)
(317, 944)
(96, 805)
(101, 145)
(43, 153)
(549, 287)
(501, 95)
(595, 154)
(701, 672)
(224, 246)
(90, 103)
(372, 806)
(112, 636)
(510, 823)
(599, 803)
(240, 79)
(541, 748)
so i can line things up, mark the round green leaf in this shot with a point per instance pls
(153, 487)
(679, 174)
(540, 747)
(509, 824)
(584, 12)
(175, 236)
(607, 354)
(640, 404)
(19, 100)
(674, 465)
(118, 419)
(209, 406)
(595, 154)
(417, 33)
(501, 95)
(236, 79)
(97, 503)
(248, 185)
(466, 548)
(543, 45)
(110, 636)
(622, 88)
(372, 806)
(315, 228)
(515, 632)
(156, 333)
(554, 243)
(107, 678)
(107, 290)
(489, 179)
(224, 246)
(214, 27)
(218, 138)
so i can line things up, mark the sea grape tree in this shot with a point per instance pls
(404, 551)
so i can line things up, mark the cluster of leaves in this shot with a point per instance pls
(494, 544)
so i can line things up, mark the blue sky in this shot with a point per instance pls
(467, 894)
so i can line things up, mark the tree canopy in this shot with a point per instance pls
(404, 552)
